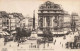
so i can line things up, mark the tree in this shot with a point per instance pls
(47, 33)
(26, 33)
(21, 32)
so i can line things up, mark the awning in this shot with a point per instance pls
(1, 33)
(13, 32)
(39, 37)
(40, 32)
(4, 33)
(64, 32)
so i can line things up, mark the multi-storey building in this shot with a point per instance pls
(14, 21)
(9, 21)
(0, 22)
(75, 21)
(30, 23)
(50, 15)
(4, 17)
(67, 20)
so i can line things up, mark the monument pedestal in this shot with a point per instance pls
(34, 34)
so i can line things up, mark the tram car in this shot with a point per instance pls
(75, 44)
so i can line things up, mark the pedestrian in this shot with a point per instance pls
(54, 43)
(5, 40)
(55, 40)
(60, 42)
(62, 45)
(18, 44)
(31, 45)
(10, 45)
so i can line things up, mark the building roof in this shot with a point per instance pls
(50, 6)
(19, 15)
(3, 14)
(74, 14)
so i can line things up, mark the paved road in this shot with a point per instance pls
(58, 44)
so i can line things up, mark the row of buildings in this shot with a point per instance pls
(50, 15)
(10, 21)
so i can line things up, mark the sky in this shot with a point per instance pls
(26, 7)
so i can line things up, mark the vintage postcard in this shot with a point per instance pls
(39, 25)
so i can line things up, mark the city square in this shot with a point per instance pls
(52, 29)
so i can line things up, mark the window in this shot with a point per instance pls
(48, 21)
(41, 22)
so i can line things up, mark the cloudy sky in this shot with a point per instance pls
(26, 7)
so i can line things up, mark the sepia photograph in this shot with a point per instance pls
(39, 25)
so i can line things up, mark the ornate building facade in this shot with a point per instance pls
(50, 15)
